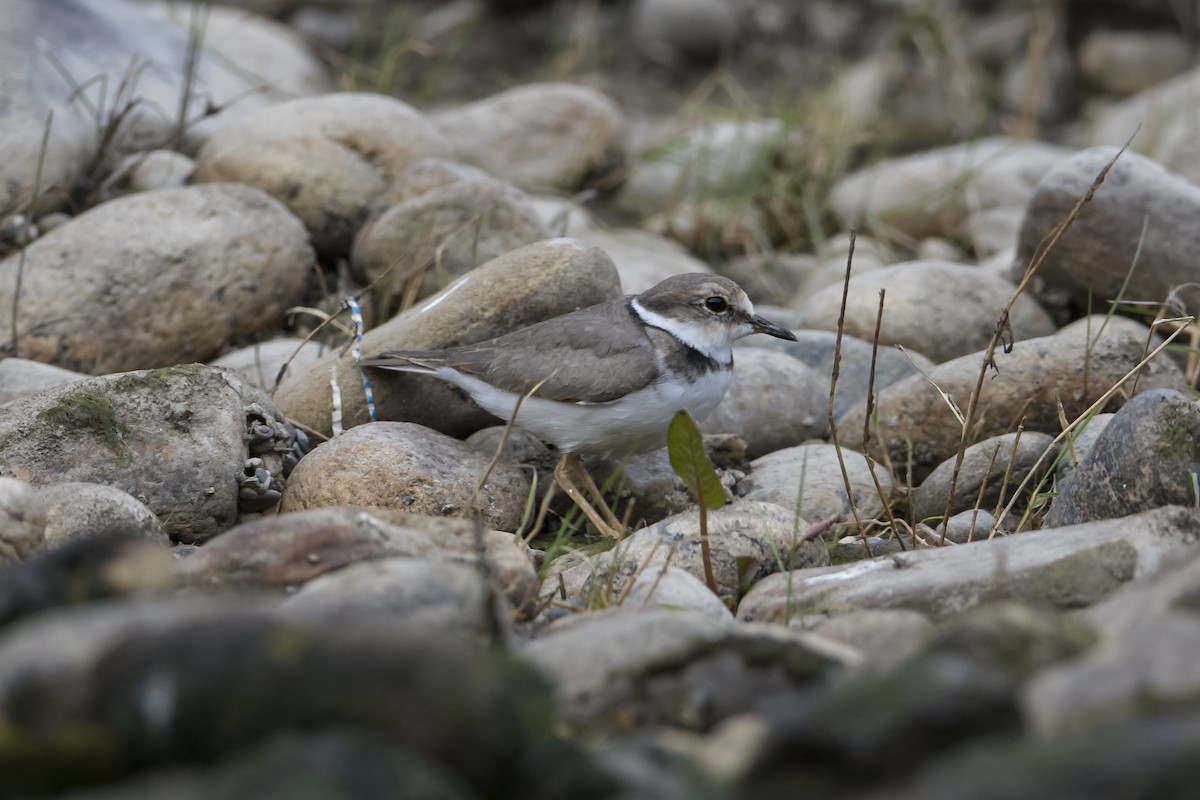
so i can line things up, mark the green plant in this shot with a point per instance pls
(685, 447)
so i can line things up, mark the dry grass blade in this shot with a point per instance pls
(866, 437)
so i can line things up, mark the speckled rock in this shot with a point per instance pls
(992, 462)
(288, 550)
(180, 440)
(326, 157)
(407, 467)
(940, 309)
(22, 520)
(1030, 382)
(20, 377)
(1145, 458)
(519, 288)
(540, 137)
(809, 479)
(1065, 568)
(1093, 258)
(156, 278)
(438, 235)
(665, 586)
(1082, 442)
(75, 510)
(776, 401)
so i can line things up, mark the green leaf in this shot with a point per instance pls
(685, 447)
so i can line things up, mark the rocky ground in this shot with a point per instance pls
(960, 554)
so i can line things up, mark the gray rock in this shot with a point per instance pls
(992, 462)
(407, 467)
(20, 377)
(22, 521)
(99, 44)
(672, 587)
(678, 668)
(1082, 444)
(818, 349)
(1093, 258)
(1127, 61)
(327, 158)
(940, 309)
(75, 510)
(440, 234)
(747, 540)
(775, 401)
(808, 479)
(1161, 117)
(913, 425)
(642, 258)
(288, 550)
(884, 636)
(541, 136)
(1147, 658)
(1147, 456)
(176, 439)
(444, 597)
(262, 363)
(966, 527)
(529, 284)
(933, 193)
(152, 279)
(155, 169)
(668, 31)
(1065, 568)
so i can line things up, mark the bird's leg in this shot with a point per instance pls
(562, 474)
(597, 496)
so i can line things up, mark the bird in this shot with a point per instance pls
(607, 379)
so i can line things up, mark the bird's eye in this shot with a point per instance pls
(715, 304)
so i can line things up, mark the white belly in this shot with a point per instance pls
(636, 423)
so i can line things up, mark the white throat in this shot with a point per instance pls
(715, 342)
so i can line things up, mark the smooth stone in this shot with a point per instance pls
(289, 550)
(450, 599)
(885, 637)
(1064, 568)
(519, 288)
(471, 711)
(407, 467)
(994, 231)
(934, 193)
(672, 667)
(775, 401)
(808, 479)
(426, 175)
(1145, 458)
(156, 169)
(747, 541)
(832, 256)
(673, 31)
(75, 510)
(267, 52)
(675, 588)
(644, 486)
(99, 43)
(710, 160)
(83, 571)
(992, 462)
(1146, 659)
(937, 308)
(819, 350)
(1124, 62)
(966, 527)
(440, 234)
(176, 439)
(772, 278)
(1092, 260)
(1158, 118)
(20, 377)
(327, 158)
(642, 259)
(262, 363)
(152, 279)
(22, 520)
(913, 425)
(542, 137)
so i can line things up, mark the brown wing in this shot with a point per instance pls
(592, 355)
